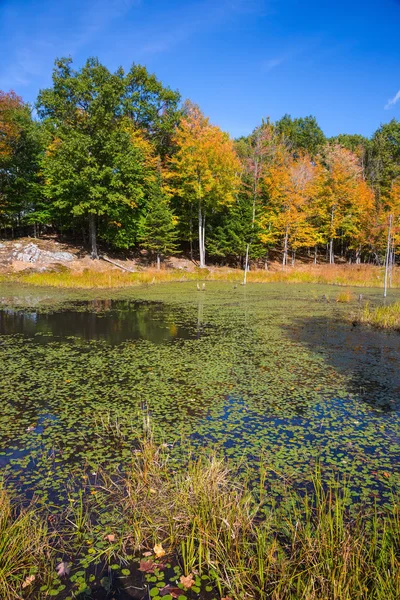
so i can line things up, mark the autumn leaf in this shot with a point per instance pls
(187, 581)
(159, 551)
(148, 566)
(63, 569)
(110, 537)
(28, 581)
(148, 553)
(175, 592)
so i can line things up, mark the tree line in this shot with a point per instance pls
(117, 157)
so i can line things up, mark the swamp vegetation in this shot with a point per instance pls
(237, 442)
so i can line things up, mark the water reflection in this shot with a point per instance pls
(114, 321)
(369, 357)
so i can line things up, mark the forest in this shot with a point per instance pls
(117, 158)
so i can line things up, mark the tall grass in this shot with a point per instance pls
(387, 317)
(310, 549)
(24, 549)
(343, 275)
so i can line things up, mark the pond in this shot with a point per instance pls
(270, 370)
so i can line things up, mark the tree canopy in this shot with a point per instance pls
(115, 157)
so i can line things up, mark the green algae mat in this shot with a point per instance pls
(273, 372)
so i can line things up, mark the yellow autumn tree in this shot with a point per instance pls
(205, 169)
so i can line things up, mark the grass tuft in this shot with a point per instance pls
(24, 549)
(387, 317)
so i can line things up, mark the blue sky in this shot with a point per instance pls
(240, 60)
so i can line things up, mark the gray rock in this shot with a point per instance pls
(32, 253)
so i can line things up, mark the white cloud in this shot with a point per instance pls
(270, 64)
(393, 101)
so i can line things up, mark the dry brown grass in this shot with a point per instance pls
(342, 275)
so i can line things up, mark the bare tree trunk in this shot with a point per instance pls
(293, 257)
(331, 255)
(315, 254)
(387, 257)
(285, 248)
(158, 261)
(201, 238)
(246, 265)
(92, 235)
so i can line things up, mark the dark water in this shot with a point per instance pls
(368, 357)
(113, 321)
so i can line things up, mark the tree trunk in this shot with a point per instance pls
(387, 257)
(285, 248)
(246, 265)
(92, 235)
(293, 257)
(158, 261)
(202, 220)
(315, 254)
(331, 255)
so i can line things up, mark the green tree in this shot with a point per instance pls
(302, 134)
(153, 107)
(21, 144)
(384, 159)
(158, 232)
(97, 163)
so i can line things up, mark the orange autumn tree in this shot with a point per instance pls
(292, 187)
(205, 169)
(346, 200)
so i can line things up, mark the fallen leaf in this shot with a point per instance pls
(148, 553)
(28, 581)
(110, 537)
(63, 569)
(187, 581)
(175, 592)
(159, 551)
(148, 566)
(386, 474)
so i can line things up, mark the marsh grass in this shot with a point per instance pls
(212, 522)
(310, 547)
(24, 549)
(343, 275)
(387, 317)
(345, 297)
